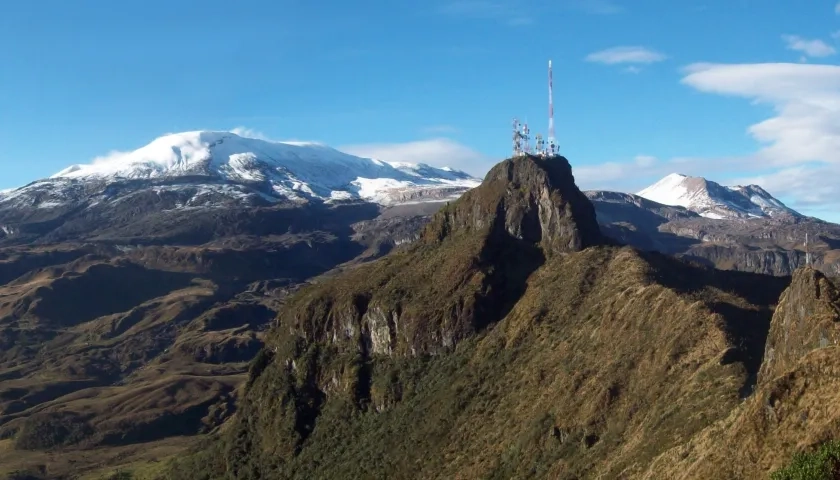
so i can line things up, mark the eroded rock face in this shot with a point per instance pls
(807, 318)
(529, 198)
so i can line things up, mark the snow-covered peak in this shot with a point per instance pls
(211, 153)
(712, 200)
(217, 164)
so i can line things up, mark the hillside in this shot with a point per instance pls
(509, 342)
(794, 407)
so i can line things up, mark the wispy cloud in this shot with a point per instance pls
(645, 160)
(249, 133)
(627, 54)
(440, 152)
(510, 12)
(811, 48)
(597, 7)
(440, 129)
(837, 8)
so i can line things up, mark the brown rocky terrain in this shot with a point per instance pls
(510, 341)
(129, 346)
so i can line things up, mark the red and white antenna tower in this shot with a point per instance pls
(552, 142)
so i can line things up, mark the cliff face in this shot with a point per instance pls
(807, 318)
(469, 266)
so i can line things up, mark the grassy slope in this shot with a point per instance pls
(569, 384)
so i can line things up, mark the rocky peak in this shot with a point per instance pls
(807, 318)
(532, 199)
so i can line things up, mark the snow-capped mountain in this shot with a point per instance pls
(231, 165)
(188, 182)
(712, 200)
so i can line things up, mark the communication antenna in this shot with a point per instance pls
(807, 251)
(526, 139)
(552, 142)
(540, 144)
(517, 139)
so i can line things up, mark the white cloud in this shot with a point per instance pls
(812, 48)
(805, 98)
(597, 7)
(249, 133)
(645, 160)
(440, 129)
(632, 54)
(837, 8)
(440, 152)
(836, 35)
(632, 69)
(510, 12)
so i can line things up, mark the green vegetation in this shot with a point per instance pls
(820, 464)
(49, 430)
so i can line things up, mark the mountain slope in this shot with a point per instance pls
(794, 406)
(508, 342)
(711, 200)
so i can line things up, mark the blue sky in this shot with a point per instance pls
(733, 90)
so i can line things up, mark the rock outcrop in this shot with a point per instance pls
(532, 199)
(469, 266)
(807, 318)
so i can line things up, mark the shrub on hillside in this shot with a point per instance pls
(54, 429)
(821, 464)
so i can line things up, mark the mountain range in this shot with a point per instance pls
(275, 299)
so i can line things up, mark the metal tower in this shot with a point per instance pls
(552, 142)
(517, 139)
(540, 144)
(526, 139)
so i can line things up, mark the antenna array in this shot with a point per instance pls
(545, 147)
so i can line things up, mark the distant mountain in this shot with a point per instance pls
(712, 200)
(771, 244)
(184, 182)
(227, 165)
